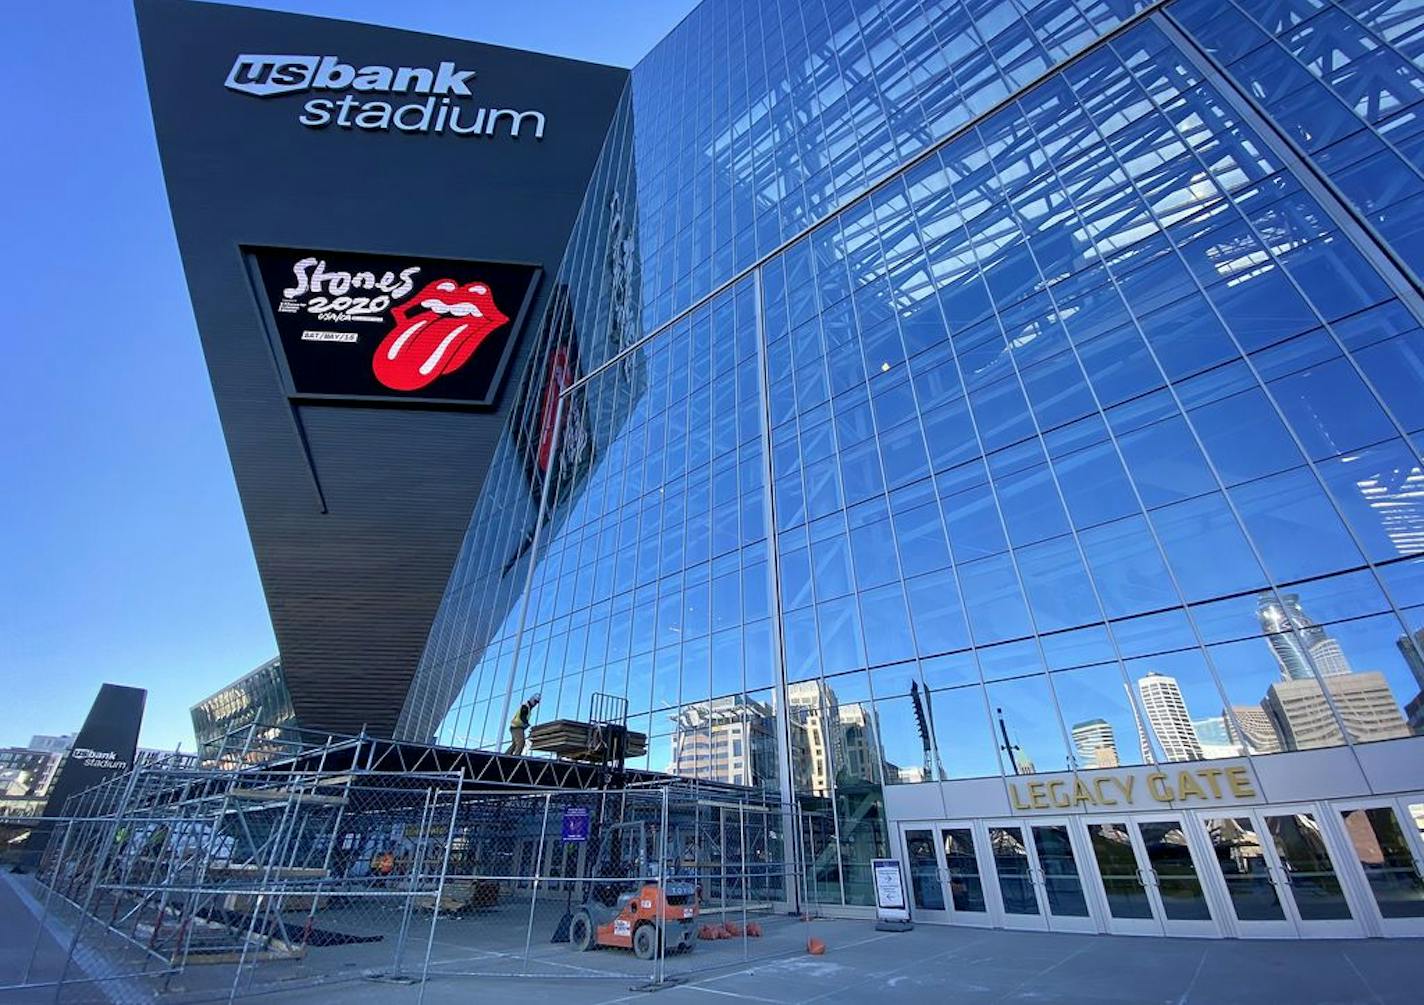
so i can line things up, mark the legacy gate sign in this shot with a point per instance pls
(418, 99)
(1225, 783)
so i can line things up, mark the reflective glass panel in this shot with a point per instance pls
(1060, 871)
(924, 871)
(1012, 865)
(1311, 874)
(965, 887)
(1177, 882)
(1118, 869)
(1383, 852)
(1242, 860)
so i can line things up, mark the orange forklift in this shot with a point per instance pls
(634, 901)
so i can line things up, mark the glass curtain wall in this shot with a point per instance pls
(947, 390)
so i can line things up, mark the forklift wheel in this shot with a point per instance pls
(645, 942)
(581, 932)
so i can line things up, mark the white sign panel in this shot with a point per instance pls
(889, 886)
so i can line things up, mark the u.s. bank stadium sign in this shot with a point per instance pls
(417, 99)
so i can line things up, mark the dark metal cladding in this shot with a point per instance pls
(356, 512)
(104, 748)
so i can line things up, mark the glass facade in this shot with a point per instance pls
(949, 390)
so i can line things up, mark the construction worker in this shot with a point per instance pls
(519, 724)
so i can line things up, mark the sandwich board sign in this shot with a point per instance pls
(892, 913)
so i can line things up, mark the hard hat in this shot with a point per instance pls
(534, 697)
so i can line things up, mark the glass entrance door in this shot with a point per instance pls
(1174, 883)
(1059, 880)
(1038, 876)
(963, 881)
(927, 874)
(1247, 864)
(1149, 875)
(1314, 895)
(1014, 870)
(1385, 840)
(1130, 910)
(945, 879)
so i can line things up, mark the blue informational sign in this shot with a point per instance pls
(575, 824)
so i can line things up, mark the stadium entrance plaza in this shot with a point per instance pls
(929, 964)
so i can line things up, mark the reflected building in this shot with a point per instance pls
(838, 741)
(1296, 639)
(730, 740)
(1168, 716)
(1214, 736)
(1411, 647)
(1297, 705)
(1095, 744)
(1252, 728)
(1303, 717)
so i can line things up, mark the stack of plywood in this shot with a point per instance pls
(580, 741)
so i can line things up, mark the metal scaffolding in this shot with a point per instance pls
(331, 860)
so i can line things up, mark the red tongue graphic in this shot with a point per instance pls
(427, 345)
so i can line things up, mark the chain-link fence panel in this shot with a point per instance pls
(202, 884)
(212, 885)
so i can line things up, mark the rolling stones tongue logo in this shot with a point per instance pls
(436, 332)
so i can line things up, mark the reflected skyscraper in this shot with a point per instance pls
(1412, 649)
(729, 740)
(1296, 639)
(1167, 713)
(840, 741)
(1095, 743)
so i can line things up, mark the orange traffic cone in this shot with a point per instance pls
(733, 929)
(754, 929)
(815, 946)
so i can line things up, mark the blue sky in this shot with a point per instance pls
(124, 556)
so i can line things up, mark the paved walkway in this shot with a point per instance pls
(968, 967)
(928, 965)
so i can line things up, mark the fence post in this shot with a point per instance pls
(660, 957)
(742, 816)
(440, 885)
(534, 887)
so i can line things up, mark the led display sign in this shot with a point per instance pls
(392, 328)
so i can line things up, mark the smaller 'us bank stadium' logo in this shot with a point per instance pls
(436, 93)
